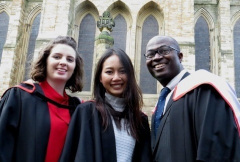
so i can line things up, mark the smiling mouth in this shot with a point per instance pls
(159, 66)
(117, 86)
(62, 70)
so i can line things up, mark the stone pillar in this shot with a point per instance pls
(103, 42)
(225, 41)
(104, 39)
(56, 19)
(179, 23)
(11, 56)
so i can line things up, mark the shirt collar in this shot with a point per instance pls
(172, 84)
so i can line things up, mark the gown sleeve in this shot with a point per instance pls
(78, 144)
(142, 152)
(9, 121)
(216, 131)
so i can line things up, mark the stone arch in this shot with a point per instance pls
(154, 11)
(33, 13)
(211, 26)
(235, 18)
(4, 7)
(119, 8)
(204, 13)
(81, 10)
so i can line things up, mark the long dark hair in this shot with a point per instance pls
(132, 94)
(39, 70)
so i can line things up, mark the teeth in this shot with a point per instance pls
(62, 70)
(159, 65)
(116, 86)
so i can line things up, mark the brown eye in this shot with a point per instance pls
(108, 72)
(150, 55)
(70, 59)
(123, 71)
(56, 57)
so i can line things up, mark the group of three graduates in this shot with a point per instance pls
(199, 122)
(35, 120)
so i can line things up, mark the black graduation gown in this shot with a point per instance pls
(24, 125)
(87, 141)
(198, 127)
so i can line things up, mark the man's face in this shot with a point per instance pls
(166, 65)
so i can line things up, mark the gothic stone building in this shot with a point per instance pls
(208, 32)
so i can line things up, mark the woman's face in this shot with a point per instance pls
(61, 63)
(113, 76)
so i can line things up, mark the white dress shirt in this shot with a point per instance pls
(172, 84)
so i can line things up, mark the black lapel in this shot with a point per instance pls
(108, 142)
(164, 117)
(153, 136)
(162, 123)
(185, 75)
(42, 118)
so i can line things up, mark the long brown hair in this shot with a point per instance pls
(132, 94)
(39, 71)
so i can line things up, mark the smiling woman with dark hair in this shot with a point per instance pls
(112, 126)
(34, 118)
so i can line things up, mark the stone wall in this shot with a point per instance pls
(175, 18)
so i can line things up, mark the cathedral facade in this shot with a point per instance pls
(208, 32)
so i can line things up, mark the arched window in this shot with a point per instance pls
(236, 38)
(31, 45)
(150, 28)
(4, 21)
(119, 32)
(86, 41)
(202, 45)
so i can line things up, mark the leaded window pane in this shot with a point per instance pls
(31, 45)
(150, 29)
(4, 21)
(86, 47)
(119, 32)
(202, 45)
(236, 37)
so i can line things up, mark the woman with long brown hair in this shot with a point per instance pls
(34, 118)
